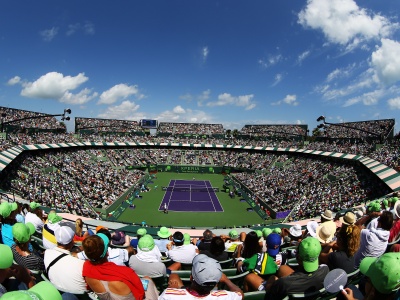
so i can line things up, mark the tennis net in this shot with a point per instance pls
(190, 189)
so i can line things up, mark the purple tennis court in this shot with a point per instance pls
(190, 195)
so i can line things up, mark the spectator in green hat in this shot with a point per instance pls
(147, 261)
(385, 204)
(139, 233)
(277, 230)
(308, 278)
(383, 275)
(7, 218)
(163, 240)
(54, 221)
(10, 274)
(23, 255)
(42, 291)
(231, 241)
(35, 216)
(370, 219)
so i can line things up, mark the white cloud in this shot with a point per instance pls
(72, 28)
(125, 111)
(187, 97)
(80, 98)
(386, 62)
(178, 110)
(119, 91)
(13, 81)
(189, 116)
(289, 100)
(394, 103)
(205, 95)
(228, 99)
(53, 85)
(49, 34)
(86, 28)
(370, 98)
(358, 85)
(344, 23)
(303, 56)
(340, 73)
(270, 61)
(204, 53)
(278, 78)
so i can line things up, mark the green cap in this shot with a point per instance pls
(266, 231)
(23, 232)
(374, 207)
(42, 291)
(259, 233)
(394, 199)
(54, 218)
(186, 239)
(277, 230)
(233, 234)
(6, 208)
(146, 243)
(385, 203)
(141, 231)
(6, 256)
(34, 205)
(384, 272)
(309, 250)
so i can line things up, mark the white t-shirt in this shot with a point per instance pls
(171, 294)
(183, 254)
(66, 273)
(116, 255)
(35, 220)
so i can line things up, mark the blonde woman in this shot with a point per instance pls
(80, 235)
(340, 253)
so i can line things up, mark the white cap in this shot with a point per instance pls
(64, 235)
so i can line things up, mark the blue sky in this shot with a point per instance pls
(228, 61)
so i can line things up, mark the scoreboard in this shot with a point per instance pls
(145, 123)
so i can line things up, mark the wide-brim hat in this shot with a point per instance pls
(327, 215)
(312, 228)
(295, 230)
(146, 243)
(326, 231)
(164, 233)
(348, 219)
